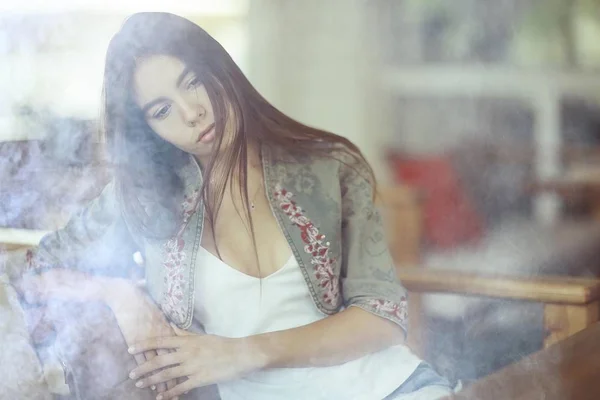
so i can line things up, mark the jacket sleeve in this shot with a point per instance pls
(95, 240)
(368, 275)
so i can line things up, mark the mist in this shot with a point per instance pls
(489, 110)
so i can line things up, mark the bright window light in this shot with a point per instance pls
(197, 7)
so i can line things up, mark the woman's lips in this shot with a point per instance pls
(207, 135)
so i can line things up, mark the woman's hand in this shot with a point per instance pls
(202, 359)
(136, 314)
(140, 319)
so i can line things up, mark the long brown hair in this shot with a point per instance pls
(146, 165)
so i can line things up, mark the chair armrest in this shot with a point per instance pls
(17, 238)
(570, 304)
(552, 290)
(401, 209)
(565, 186)
(399, 196)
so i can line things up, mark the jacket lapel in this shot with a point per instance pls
(307, 217)
(178, 254)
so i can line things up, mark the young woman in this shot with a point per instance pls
(260, 240)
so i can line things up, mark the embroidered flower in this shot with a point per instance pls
(189, 206)
(29, 259)
(396, 310)
(34, 260)
(315, 245)
(174, 263)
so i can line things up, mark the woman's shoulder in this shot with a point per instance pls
(318, 151)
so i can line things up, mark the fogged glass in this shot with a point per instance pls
(51, 70)
(523, 33)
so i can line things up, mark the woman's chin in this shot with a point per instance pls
(202, 153)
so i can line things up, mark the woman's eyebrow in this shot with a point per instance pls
(152, 103)
(180, 78)
(183, 74)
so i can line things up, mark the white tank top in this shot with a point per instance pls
(232, 304)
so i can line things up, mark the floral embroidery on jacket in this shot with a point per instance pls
(33, 260)
(396, 310)
(174, 263)
(314, 245)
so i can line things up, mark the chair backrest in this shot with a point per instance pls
(400, 207)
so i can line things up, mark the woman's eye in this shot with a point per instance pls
(162, 112)
(193, 84)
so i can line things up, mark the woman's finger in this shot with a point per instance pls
(170, 384)
(140, 358)
(179, 382)
(162, 376)
(167, 342)
(177, 390)
(156, 364)
(151, 355)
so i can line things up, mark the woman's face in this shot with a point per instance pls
(175, 104)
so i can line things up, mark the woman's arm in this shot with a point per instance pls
(208, 359)
(343, 337)
(96, 240)
(368, 274)
(136, 314)
(375, 316)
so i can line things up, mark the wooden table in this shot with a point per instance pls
(568, 370)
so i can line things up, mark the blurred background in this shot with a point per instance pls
(489, 108)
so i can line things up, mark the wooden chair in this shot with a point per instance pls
(570, 304)
(568, 370)
(13, 239)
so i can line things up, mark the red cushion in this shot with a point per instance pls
(450, 219)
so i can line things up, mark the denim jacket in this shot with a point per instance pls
(323, 206)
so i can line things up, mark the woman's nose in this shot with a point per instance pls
(193, 114)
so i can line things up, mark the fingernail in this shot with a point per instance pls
(132, 375)
(159, 397)
(131, 350)
(139, 383)
(153, 387)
